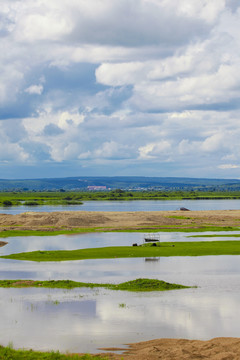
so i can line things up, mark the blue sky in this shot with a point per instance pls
(119, 87)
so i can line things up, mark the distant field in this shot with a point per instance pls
(76, 198)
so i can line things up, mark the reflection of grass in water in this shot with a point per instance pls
(8, 353)
(56, 302)
(134, 285)
(122, 305)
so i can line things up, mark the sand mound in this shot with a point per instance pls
(119, 220)
(179, 349)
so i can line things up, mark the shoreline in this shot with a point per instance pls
(178, 349)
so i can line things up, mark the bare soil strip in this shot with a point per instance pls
(119, 220)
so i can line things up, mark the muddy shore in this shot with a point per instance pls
(119, 220)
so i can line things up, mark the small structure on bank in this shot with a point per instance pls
(152, 238)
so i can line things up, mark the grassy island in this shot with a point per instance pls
(133, 285)
(202, 248)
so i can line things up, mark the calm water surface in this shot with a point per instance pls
(137, 205)
(83, 320)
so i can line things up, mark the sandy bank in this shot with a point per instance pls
(119, 220)
(179, 349)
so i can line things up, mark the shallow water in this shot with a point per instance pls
(134, 205)
(84, 320)
(80, 241)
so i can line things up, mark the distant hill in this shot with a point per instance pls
(136, 183)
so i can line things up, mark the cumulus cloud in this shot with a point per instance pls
(128, 84)
(34, 89)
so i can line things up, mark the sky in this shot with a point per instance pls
(119, 87)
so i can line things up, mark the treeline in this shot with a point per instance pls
(77, 198)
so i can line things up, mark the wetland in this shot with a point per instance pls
(84, 319)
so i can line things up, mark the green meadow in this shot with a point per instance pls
(133, 285)
(8, 353)
(203, 248)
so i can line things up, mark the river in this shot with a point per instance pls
(134, 205)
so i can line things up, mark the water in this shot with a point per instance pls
(93, 240)
(137, 205)
(84, 320)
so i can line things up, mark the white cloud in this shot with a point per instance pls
(228, 166)
(34, 89)
(160, 150)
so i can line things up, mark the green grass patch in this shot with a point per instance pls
(50, 232)
(202, 248)
(214, 235)
(8, 353)
(170, 228)
(133, 285)
(177, 228)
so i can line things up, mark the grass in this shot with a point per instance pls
(202, 248)
(215, 235)
(35, 198)
(50, 232)
(53, 231)
(133, 285)
(8, 353)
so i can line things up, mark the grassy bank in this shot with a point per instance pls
(174, 228)
(134, 285)
(214, 235)
(50, 232)
(7, 353)
(202, 248)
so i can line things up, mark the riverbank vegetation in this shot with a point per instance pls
(54, 232)
(203, 248)
(133, 285)
(64, 198)
(8, 353)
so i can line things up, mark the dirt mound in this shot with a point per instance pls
(180, 349)
(119, 220)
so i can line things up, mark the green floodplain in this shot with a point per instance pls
(32, 198)
(133, 285)
(173, 228)
(201, 248)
